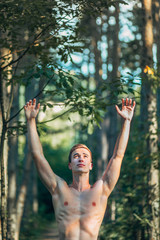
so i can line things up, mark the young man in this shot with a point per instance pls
(80, 207)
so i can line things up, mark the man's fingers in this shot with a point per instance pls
(134, 104)
(130, 102)
(38, 106)
(123, 102)
(117, 108)
(32, 104)
(34, 101)
(127, 102)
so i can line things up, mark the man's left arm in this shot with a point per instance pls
(112, 172)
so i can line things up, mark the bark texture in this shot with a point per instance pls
(149, 92)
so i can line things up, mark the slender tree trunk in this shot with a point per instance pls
(154, 171)
(3, 186)
(12, 170)
(5, 114)
(22, 195)
(149, 92)
(110, 120)
(96, 39)
(3, 160)
(157, 41)
(157, 20)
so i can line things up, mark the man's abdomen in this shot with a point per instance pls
(79, 227)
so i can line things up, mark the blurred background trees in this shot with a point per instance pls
(78, 59)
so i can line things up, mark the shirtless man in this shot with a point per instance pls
(80, 207)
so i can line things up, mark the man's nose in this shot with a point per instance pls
(81, 159)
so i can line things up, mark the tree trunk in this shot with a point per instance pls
(157, 20)
(96, 38)
(12, 169)
(157, 41)
(5, 114)
(22, 195)
(110, 120)
(3, 184)
(149, 92)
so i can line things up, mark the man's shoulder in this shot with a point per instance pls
(101, 186)
(98, 185)
(61, 182)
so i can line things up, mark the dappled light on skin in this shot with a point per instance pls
(148, 70)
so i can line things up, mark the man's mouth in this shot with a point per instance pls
(80, 165)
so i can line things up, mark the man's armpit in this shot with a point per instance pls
(60, 184)
(106, 189)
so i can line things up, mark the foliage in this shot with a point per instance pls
(63, 88)
(35, 27)
(52, 34)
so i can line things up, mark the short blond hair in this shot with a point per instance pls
(79, 145)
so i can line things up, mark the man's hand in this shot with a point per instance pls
(127, 109)
(31, 110)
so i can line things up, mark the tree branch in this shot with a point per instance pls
(27, 49)
(50, 120)
(32, 99)
(17, 127)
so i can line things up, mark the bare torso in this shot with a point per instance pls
(79, 214)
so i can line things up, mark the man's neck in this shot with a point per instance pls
(80, 182)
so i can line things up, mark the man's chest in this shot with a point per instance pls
(79, 213)
(81, 205)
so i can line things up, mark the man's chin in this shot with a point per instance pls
(80, 170)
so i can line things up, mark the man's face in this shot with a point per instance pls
(80, 161)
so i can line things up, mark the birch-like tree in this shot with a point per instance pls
(149, 98)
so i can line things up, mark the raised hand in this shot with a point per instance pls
(31, 110)
(127, 109)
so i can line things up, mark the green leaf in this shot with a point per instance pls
(44, 107)
(50, 105)
(90, 128)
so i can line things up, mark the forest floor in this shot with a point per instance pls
(51, 233)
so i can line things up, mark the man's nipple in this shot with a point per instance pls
(65, 203)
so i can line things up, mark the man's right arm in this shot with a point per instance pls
(44, 170)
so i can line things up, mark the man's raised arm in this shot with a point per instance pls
(44, 170)
(112, 172)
